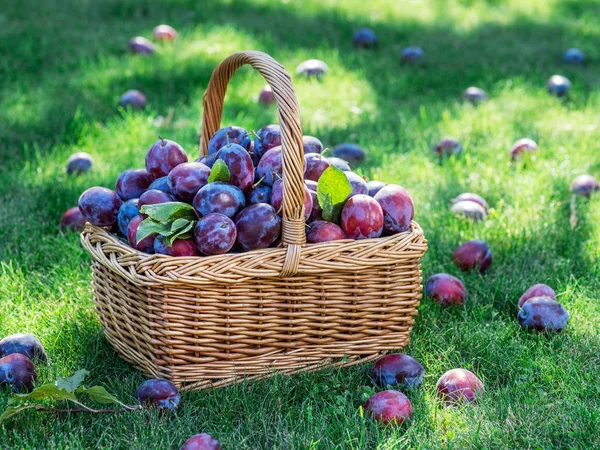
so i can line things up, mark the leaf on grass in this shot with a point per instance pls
(70, 384)
(99, 394)
(219, 172)
(42, 392)
(333, 190)
(14, 410)
(168, 212)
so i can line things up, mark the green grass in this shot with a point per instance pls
(62, 70)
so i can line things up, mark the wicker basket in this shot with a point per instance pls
(211, 321)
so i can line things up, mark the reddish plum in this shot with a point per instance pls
(446, 289)
(25, 344)
(312, 68)
(358, 183)
(397, 369)
(219, 197)
(340, 163)
(229, 135)
(180, 247)
(475, 95)
(277, 199)
(397, 206)
(315, 166)
(351, 153)
(100, 206)
(259, 194)
(448, 147)
(258, 226)
(154, 197)
(584, 185)
(467, 196)
(202, 441)
(317, 211)
(127, 211)
(459, 385)
(543, 314)
(266, 138)
(558, 85)
(362, 218)
(164, 33)
(141, 46)
(469, 209)
(132, 183)
(522, 147)
(412, 55)
(537, 290)
(240, 165)
(78, 163)
(164, 156)
(364, 38)
(375, 187)
(266, 96)
(323, 231)
(270, 167)
(146, 245)
(133, 99)
(72, 219)
(474, 254)
(312, 145)
(187, 179)
(388, 407)
(18, 372)
(215, 234)
(159, 393)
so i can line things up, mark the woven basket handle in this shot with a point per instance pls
(292, 233)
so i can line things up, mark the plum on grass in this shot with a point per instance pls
(215, 234)
(229, 135)
(154, 197)
(141, 46)
(352, 153)
(311, 144)
(132, 183)
(163, 156)
(375, 187)
(133, 99)
(584, 185)
(259, 194)
(459, 385)
(448, 147)
(364, 38)
(158, 392)
(315, 166)
(312, 68)
(266, 138)
(277, 199)
(362, 218)
(358, 183)
(187, 179)
(388, 407)
(543, 314)
(219, 197)
(412, 55)
(202, 441)
(72, 219)
(340, 163)
(127, 211)
(323, 231)
(78, 163)
(146, 245)
(164, 33)
(161, 184)
(397, 369)
(240, 165)
(100, 206)
(266, 96)
(558, 85)
(17, 371)
(537, 290)
(468, 196)
(446, 289)
(523, 147)
(473, 254)
(270, 166)
(180, 247)
(573, 56)
(469, 209)
(475, 95)
(25, 344)
(397, 206)
(317, 211)
(258, 226)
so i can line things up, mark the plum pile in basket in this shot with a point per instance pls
(231, 199)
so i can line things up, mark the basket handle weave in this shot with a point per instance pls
(292, 233)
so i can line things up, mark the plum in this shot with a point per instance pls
(180, 247)
(543, 314)
(522, 147)
(266, 96)
(141, 46)
(266, 138)
(475, 95)
(146, 245)
(229, 135)
(133, 99)
(473, 254)
(558, 85)
(388, 407)
(277, 199)
(25, 344)
(132, 183)
(469, 209)
(446, 289)
(324, 231)
(154, 197)
(100, 206)
(158, 392)
(315, 166)
(352, 153)
(161, 184)
(219, 197)
(362, 218)
(215, 234)
(258, 226)
(312, 68)
(584, 185)
(375, 187)
(311, 144)
(164, 33)
(163, 156)
(468, 196)
(358, 183)
(537, 290)
(448, 147)
(208, 160)
(187, 179)
(340, 163)
(127, 211)
(412, 55)
(397, 206)
(78, 163)
(17, 371)
(364, 38)
(72, 219)
(397, 369)
(459, 385)
(270, 166)
(202, 441)
(240, 165)
(259, 194)
(573, 56)
(317, 211)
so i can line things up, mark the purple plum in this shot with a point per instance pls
(127, 211)
(398, 208)
(523, 146)
(227, 136)
(259, 194)
(163, 156)
(354, 154)
(388, 407)
(543, 314)
(412, 55)
(315, 166)
(258, 226)
(187, 179)
(158, 393)
(312, 68)
(266, 96)
(397, 369)
(180, 247)
(362, 218)
(154, 197)
(364, 38)
(18, 372)
(164, 33)
(208, 160)
(141, 46)
(446, 289)
(312, 145)
(133, 99)
(146, 245)
(72, 219)
(270, 166)
(558, 85)
(161, 184)
(100, 206)
(219, 197)
(240, 165)
(266, 138)
(448, 147)
(202, 441)
(25, 344)
(215, 234)
(537, 290)
(467, 196)
(277, 199)
(340, 163)
(475, 95)
(459, 385)
(132, 183)
(469, 209)
(317, 211)
(573, 56)
(78, 163)
(358, 183)
(474, 254)
(585, 185)
(375, 187)
(323, 231)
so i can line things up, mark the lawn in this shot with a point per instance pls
(64, 65)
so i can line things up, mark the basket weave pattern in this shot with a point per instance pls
(210, 321)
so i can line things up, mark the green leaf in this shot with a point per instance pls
(149, 227)
(70, 384)
(179, 224)
(182, 233)
(45, 391)
(14, 410)
(168, 212)
(333, 190)
(219, 172)
(99, 394)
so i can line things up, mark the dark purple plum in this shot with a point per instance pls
(229, 135)
(141, 46)
(146, 245)
(446, 289)
(127, 211)
(277, 199)
(340, 163)
(473, 255)
(258, 226)
(317, 211)
(133, 99)
(219, 197)
(78, 163)
(358, 183)
(573, 56)
(240, 165)
(459, 385)
(543, 314)
(448, 147)
(362, 218)
(558, 85)
(187, 179)
(467, 196)
(154, 197)
(25, 344)
(475, 95)
(164, 33)
(397, 369)
(180, 247)
(323, 231)
(18, 372)
(270, 167)
(375, 187)
(132, 183)
(397, 206)
(523, 147)
(412, 55)
(537, 290)
(312, 68)
(215, 234)
(161, 184)
(100, 206)
(469, 209)
(584, 185)
(158, 393)
(315, 166)
(352, 153)
(202, 441)
(208, 160)
(388, 407)
(266, 96)
(72, 219)
(364, 38)
(266, 138)
(311, 145)
(164, 156)
(259, 194)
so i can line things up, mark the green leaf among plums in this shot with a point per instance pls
(333, 190)
(219, 172)
(150, 227)
(169, 212)
(181, 233)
